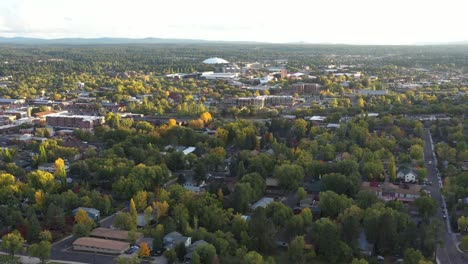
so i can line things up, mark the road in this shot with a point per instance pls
(447, 252)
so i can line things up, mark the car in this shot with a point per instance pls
(444, 216)
(158, 252)
(430, 162)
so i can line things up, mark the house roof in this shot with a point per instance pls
(112, 233)
(264, 202)
(215, 60)
(88, 210)
(101, 243)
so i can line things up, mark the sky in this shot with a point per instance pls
(396, 22)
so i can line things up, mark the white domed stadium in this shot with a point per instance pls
(215, 60)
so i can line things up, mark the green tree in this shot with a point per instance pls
(332, 204)
(206, 252)
(252, 257)
(262, 231)
(326, 236)
(464, 243)
(427, 206)
(180, 250)
(124, 221)
(41, 250)
(289, 176)
(412, 256)
(133, 211)
(13, 242)
(301, 193)
(296, 250)
(359, 261)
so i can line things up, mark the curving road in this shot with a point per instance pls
(447, 252)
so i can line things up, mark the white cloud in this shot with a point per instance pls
(339, 21)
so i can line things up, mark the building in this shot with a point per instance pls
(172, 239)
(264, 202)
(66, 120)
(6, 101)
(94, 214)
(100, 245)
(192, 248)
(368, 92)
(305, 88)
(391, 192)
(407, 175)
(113, 234)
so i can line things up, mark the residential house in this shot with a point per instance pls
(92, 212)
(191, 248)
(264, 202)
(172, 239)
(407, 175)
(391, 192)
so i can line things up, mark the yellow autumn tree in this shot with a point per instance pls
(196, 123)
(81, 217)
(141, 200)
(144, 250)
(39, 197)
(172, 122)
(162, 208)
(60, 172)
(206, 117)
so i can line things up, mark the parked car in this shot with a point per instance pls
(158, 251)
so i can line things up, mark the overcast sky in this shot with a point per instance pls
(314, 21)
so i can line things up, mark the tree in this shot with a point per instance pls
(45, 236)
(416, 152)
(82, 229)
(427, 206)
(141, 200)
(144, 250)
(60, 172)
(206, 252)
(206, 117)
(279, 213)
(252, 257)
(124, 221)
(301, 193)
(307, 217)
(262, 230)
(55, 217)
(289, 176)
(412, 256)
(12, 242)
(128, 260)
(147, 214)
(296, 250)
(195, 258)
(162, 208)
(295, 226)
(81, 216)
(39, 196)
(41, 250)
(392, 168)
(327, 236)
(180, 250)
(462, 223)
(133, 212)
(158, 236)
(172, 122)
(359, 261)
(464, 243)
(332, 204)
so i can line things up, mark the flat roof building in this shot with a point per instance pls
(100, 245)
(113, 234)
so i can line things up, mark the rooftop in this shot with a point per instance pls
(111, 233)
(101, 243)
(215, 60)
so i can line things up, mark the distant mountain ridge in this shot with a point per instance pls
(105, 40)
(110, 41)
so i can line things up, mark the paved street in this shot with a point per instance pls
(447, 253)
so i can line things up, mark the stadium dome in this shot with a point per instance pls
(215, 61)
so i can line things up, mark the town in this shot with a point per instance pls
(204, 154)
